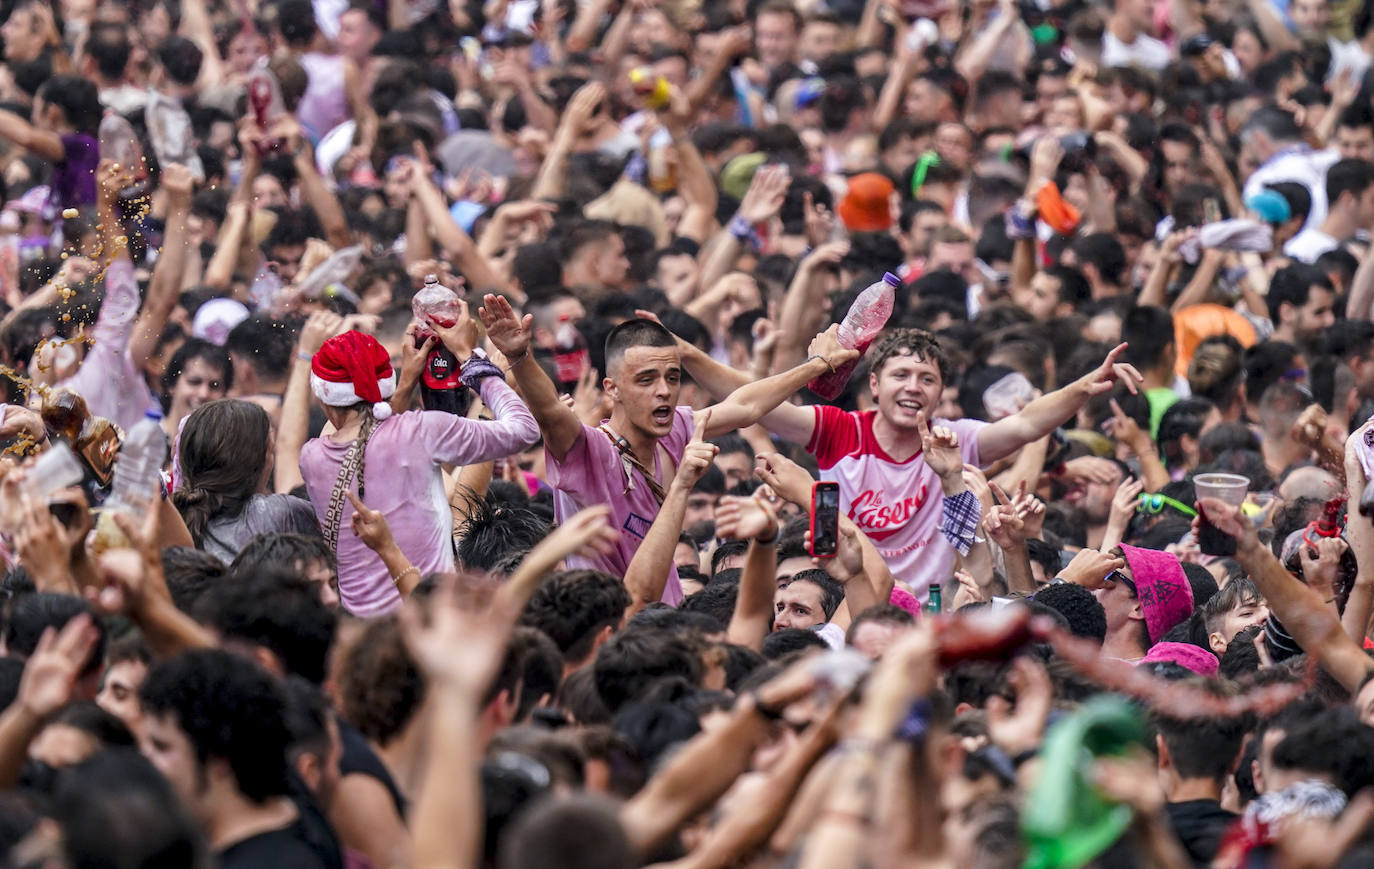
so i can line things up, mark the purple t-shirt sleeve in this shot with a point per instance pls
(74, 176)
(458, 440)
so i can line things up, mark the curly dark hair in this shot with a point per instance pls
(229, 709)
(911, 342)
(380, 688)
(572, 607)
(276, 608)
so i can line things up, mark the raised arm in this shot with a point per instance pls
(1304, 613)
(647, 573)
(293, 426)
(171, 264)
(511, 335)
(1359, 534)
(694, 182)
(313, 186)
(1047, 412)
(456, 243)
(753, 520)
(753, 402)
(553, 173)
(41, 143)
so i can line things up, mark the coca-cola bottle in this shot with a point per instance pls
(570, 356)
(119, 142)
(265, 101)
(866, 318)
(440, 388)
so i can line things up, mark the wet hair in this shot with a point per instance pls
(191, 350)
(116, 810)
(911, 342)
(190, 573)
(276, 608)
(34, 613)
(1237, 593)
(221, 460)
(293, 552)
(78, 99)
(572, 607)
(229, 709)
(494, 533)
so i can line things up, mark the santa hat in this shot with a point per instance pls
(353, 367)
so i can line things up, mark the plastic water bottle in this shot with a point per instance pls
(335, 269)
(866, 318)
(440, 388)
(570, 354)
(934, 603)
(137, 478)
(169, 130)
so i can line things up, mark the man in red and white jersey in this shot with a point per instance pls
(886, 487)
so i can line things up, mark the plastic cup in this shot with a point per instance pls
(1230, 488)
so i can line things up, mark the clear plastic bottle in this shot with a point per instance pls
(137, 478)
(119, 142)
(569, 352)
(866, 318)
(169, 130)
(440, 388)
(334, 270)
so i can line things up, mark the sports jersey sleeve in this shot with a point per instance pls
(836, 435)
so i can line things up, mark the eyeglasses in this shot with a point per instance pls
(1117, 576)
(1153, 503)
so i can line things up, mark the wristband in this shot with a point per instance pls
(914, 727)
(740, 228)
(828, 366)
(477, 367)
(304, 357)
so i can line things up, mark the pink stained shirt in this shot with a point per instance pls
(897, 504)
(593, 473)
(404, 481)
(108, 380)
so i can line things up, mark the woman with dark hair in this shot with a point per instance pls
(65, 121)
(199, 372)
(224, 465)
(1180, 430)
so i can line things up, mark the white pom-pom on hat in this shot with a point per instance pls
(381, 410)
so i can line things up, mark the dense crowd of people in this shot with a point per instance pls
(819, 433)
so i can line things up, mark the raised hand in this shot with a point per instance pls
(584, 105)
(698, 455)
(849, 556)
(587, 534)
(1125, 501)
(369, 525)
(1090, 569)
(178, 181)
(412, 357)
(505, 329)
(763, 200)
(1127, 431)
(827, 346)
(939, 447)
(457, 643)
(745, 519)
(1019, 729)
(319, 328)
(1090, 469)
(1228, 519)
(51, 671)
(1321, 563)
(461, 337)
(790, 480)
(1110, 371)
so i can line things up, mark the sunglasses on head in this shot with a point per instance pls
(1153, 503)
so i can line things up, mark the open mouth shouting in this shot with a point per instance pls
(663, 415)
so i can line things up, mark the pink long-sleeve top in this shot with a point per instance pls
(108, 379)
(403, 479)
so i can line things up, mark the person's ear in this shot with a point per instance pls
(1217, 643)
(308, 768)
(608, 386)
(1162, 751)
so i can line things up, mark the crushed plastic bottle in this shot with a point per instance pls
(334, 270)
(440, 388)
(169, 130)
(866, 318)
(570, 355)
(119, 142)
(137, 482)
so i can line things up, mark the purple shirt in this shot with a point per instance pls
(73, 178)
(592, 473)
(404, 481)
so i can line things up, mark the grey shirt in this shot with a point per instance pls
(263, 514)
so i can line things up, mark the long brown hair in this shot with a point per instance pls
(222, 451)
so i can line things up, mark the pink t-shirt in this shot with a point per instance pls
(403, 480)
(897, 504)
(108, 379)
(593, 473)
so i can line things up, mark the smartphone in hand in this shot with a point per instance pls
(825, 519)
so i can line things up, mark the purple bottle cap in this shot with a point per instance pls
(891, 280)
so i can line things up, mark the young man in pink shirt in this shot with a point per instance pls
(886, 487)
(630, 459)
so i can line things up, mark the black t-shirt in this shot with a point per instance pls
(358, 757)
(286, 848)
(1200, 826)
